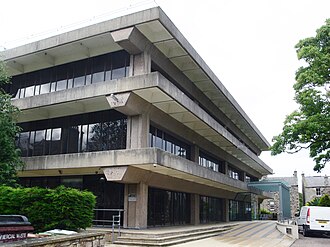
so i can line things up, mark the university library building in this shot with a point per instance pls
(128, 110)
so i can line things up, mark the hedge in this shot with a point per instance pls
(46, 209)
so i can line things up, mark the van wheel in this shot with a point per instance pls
(305, 232)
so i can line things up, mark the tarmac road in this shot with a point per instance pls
(315, 241)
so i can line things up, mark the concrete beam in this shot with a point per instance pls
(153, 160)
(134, 42)
(128, 39)
(128, 103)
(18, 67)
(49, 59)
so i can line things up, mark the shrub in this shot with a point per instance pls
(264, 211)
(62, 208)
(314, 202)
(325, 201)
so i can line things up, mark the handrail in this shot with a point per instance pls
(115, 221)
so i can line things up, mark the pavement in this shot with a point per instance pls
(257, 233)
(248, 233)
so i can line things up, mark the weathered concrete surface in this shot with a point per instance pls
(253, 234)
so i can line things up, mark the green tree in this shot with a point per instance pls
(314, 202)
(325, 201)
(309, 126)
(9, 155)
(300, 200)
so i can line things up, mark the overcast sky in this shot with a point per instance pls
(248, 44)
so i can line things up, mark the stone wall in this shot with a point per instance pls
(294, 200)
(76, 240)
(266, 204)
(310, 193)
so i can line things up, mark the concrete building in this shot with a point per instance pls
(127, 108)
(314, 186)
(292, 202)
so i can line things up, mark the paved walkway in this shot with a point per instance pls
(246, 233)
(257, 233)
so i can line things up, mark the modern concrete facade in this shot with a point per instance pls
(314, 187)
(160, 122)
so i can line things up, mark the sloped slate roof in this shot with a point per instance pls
(314, 181)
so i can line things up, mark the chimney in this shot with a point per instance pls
(295, 174)
(326, 181)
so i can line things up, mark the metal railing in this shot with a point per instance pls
(109, 218)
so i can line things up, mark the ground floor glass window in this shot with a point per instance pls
(168, 207)
(210, 209)
(239, 210)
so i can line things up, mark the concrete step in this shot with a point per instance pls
(169, 238)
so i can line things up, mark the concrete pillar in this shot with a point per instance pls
(138, 131)
(244, 177)
(140, 64)
(136, 205)
(130, 200)
(195, 153)
(142, 206)
(125, 217)
(226, 168)
(226, 210)
(194, 209)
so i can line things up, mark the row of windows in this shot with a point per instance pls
(105, 130)
(211, 163)
(155, 67)
(235, 173)
(99, 131)
(163, 140)
(75, 74)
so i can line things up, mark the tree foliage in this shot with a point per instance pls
(314, 202)
(323, 201)
(46, 209)
(9, 154)
(309, 126)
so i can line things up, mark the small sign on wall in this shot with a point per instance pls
(132, 197)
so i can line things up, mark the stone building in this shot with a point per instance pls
(292, 183)
(314, 186)
(127, 109)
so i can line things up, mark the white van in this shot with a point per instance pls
(314, 219)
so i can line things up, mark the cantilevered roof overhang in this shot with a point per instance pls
(158, 29)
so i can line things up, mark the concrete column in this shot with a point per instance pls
(194, 209)
(125, 216)
(140, 64)
(142, 206)
(130, 200)
(226, 210)
(138, 131)
(195, 153)
(136, 201)
(226, 168)
(244, 177)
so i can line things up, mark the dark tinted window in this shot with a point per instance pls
(104, 130)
